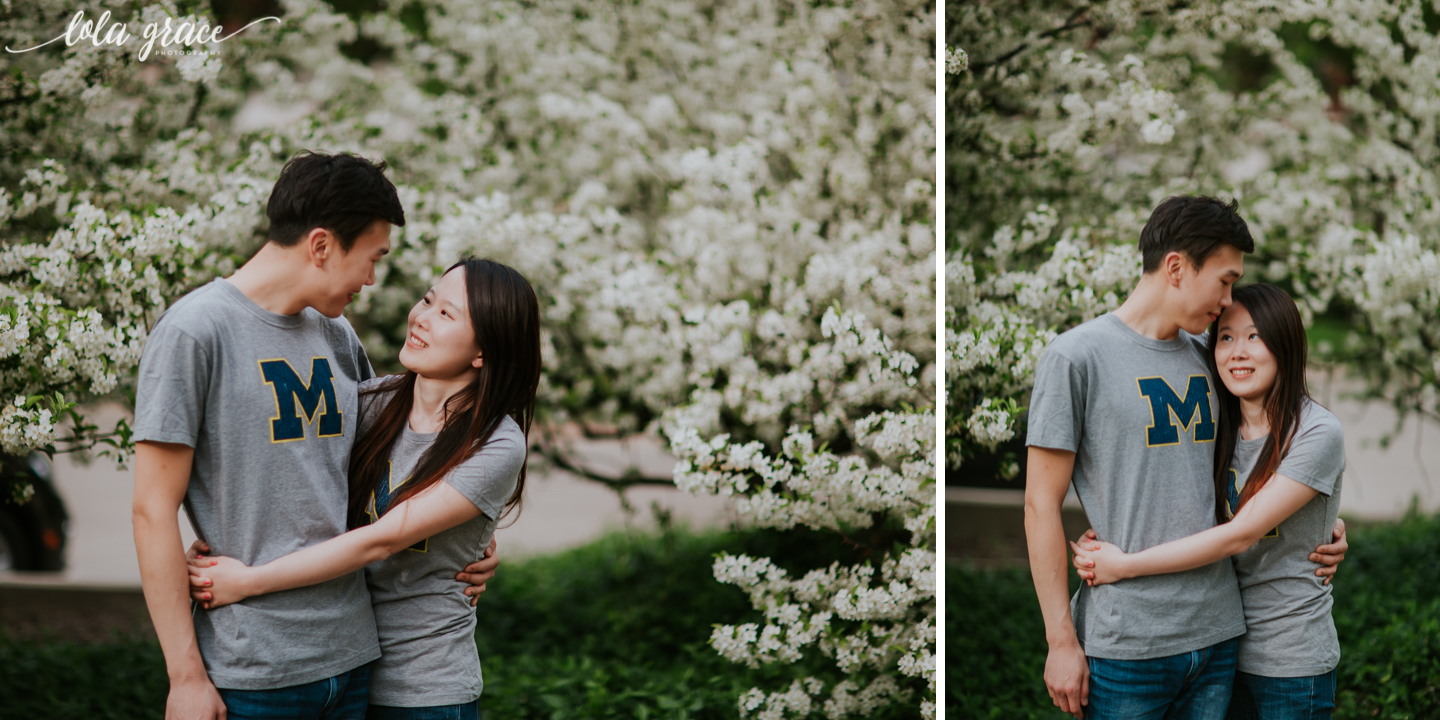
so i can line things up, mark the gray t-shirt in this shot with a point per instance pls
(1139, 414)
(426, 624)
(1287, 608)
(269, 402)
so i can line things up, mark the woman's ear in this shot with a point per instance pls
(478, 362)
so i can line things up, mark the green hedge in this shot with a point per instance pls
(619, 628)
(1387, 613)
(614, 629)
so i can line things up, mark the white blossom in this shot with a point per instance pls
(199, 66)
(727, 213)
(1335, 177)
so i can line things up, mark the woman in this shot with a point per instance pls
(1278, 459)
(440, 457)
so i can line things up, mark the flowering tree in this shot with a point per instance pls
(1068, 122)
(727, 211)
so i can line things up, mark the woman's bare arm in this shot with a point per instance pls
(1275, 502)
(437, 509)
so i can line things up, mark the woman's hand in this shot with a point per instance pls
(1098, 562)
(216, 581)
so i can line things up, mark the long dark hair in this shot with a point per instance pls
(1278, 323)
(506, 317)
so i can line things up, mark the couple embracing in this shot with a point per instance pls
(1211, 482)
(345, 521)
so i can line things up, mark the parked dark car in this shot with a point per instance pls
(33, 530)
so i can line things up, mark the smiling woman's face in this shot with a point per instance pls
(1246, 365)
(440, 340)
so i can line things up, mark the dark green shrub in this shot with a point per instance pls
(1387, 614)
(614, 629)
(995, 646)
(114, 680)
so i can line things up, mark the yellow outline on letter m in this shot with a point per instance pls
(1165, 403)
(301, 397)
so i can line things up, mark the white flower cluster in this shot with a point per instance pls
(794, 702)
(991, 422)
(956, 61)
(847, 616)
(1070, 128)
(199, 67)
(874, 624)
(23, 426)
(727, 211)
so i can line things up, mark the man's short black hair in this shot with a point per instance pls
(1194, 226)
(342, 193)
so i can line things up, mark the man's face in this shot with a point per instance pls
(349, 272)
(1205, 293)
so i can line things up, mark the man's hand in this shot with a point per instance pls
(1067, 675)
(479, 572)
(194, 700)
(1331, 555)
(1067, 678)
(162, 473)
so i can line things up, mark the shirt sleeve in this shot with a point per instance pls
(1316, 457)
(344, 339)
(1056, 416)
(170, 393)
(488, 478)
(371, 403)
(362, 360)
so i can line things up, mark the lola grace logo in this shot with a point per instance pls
(102, 31)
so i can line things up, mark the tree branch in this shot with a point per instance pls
(1071, 23)
(200, 92)
(550, 450)
(632, 475)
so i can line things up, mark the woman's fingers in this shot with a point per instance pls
(1080, 557)
(197, 550)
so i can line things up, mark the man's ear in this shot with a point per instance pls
(321, 244)
(1174, 266)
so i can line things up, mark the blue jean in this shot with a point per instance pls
(1190, 686)
(342, 697)
(467, 711)
(1298, 698)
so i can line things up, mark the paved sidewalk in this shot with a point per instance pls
(560, 511)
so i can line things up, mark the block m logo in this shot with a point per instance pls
(294, 396)
(1165, 403)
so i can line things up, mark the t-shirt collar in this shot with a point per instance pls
(276, 319)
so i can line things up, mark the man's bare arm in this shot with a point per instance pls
(162, 473)
(1067, 674)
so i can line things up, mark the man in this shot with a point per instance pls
(1124, 407)
(245, 411)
